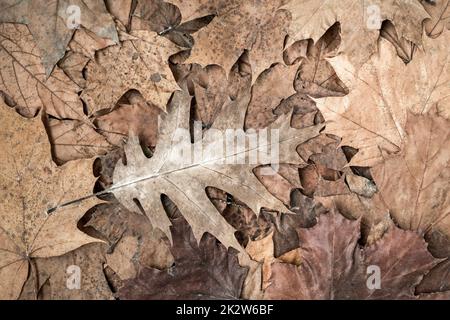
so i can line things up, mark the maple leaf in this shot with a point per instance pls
(31, 185)
(202, 270)
(52, 276)
(23, 83)
(185, 181)
(360, 22)
(379, 122)
(49, 23)
(73, 139)
(140, 63)
(419, 200)
(333, 265)
(256, 26)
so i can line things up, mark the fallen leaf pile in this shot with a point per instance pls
(128, 169)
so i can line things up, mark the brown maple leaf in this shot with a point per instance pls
(256, 26)
(36, 219)
(52, 23)
(373, 116)
(334, 266)
(204, 270)
(419, 198)
(24, 84)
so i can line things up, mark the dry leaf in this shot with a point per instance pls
(439, 11)
(185, 181)
(379, 123)
(31, 186)
(139, 63)
(334, 266)
(418, 200)
(256, 26)
(73, 139)
(23, 81)
(360, 22)
(53, 23)
(202, 270)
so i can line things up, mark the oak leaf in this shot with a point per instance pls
(174, 172)
(35, 223)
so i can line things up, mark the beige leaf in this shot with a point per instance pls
(140, 64)
(185, 181)
(419, 198)
(388, 89)
(257, 26)
(72, 140)
(52, 23)
(31, 185)
(271, 87)
(24, 82)
(439, 19)
(193, 9)
(360, 21)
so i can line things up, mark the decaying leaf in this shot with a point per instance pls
(174, 170)
(373, 116)
(419, 199)
(140, 63)
(334, 266)
(360, 22)
(439, 19)
(53, 23)
(202, 270)
(36, 221)
(23, 82)
(256, 26)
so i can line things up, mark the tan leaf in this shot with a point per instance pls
(72, 140)
(185, 181)
(24, 82)
(57, 276)
(31, 185)
(389, 90)
(256, 26)
(52, 26)
(140, 63)
(418, 200)
(360, 21)
(266, 96)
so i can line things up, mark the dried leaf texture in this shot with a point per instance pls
(23, 81)
(419, 198)
(52, 23)
(140, 63)
(256, 26)
(31, 185)
(360, 21)
(202, 270)
(174, 170)
(373, 116)
(333, 265)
